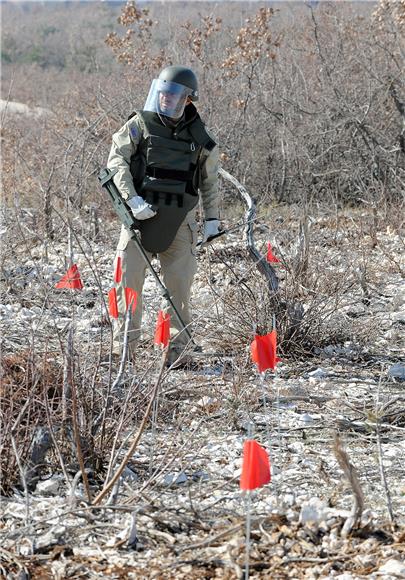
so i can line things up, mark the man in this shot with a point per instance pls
(166, 161)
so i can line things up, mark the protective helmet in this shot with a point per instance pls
(169, 92)
(182, 76)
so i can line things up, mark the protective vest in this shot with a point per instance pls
(166, 173)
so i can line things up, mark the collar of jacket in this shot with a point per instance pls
(190, 115)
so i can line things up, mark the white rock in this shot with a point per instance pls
(394, 568)
(398, 317)
(388, 451)
(318, 373)
(312, 511)
(16, 510)
(289, 499)
(306, 419)
(207, 402)
(291, 515)
(51, 538)
(296, 447)
(26, 549)
(85, 552)
(49, 486)
(333, 350)
(25, 313)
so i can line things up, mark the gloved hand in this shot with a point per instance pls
(141, 210)
(211, 228)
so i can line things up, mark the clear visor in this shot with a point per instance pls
(167, 98)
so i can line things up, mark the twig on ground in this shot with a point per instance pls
(351, 475)
(380, 458)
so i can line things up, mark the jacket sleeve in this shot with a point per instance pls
(209, 183)
(124, 145)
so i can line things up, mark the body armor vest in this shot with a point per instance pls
(166, 173)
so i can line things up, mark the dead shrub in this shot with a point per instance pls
(28, 383)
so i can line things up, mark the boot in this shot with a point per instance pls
(181, 357)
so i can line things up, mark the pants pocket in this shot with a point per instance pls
(193, 227)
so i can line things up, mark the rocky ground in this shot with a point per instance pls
(178, 511)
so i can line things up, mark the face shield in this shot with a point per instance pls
(167, 98)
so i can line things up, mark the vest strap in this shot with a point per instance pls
(160, 173)
(158, 198)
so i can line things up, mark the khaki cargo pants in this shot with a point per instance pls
(178, 267)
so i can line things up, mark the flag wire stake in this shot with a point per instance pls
(125, 347)
(267, 419)
(279, 455)
(248, 508)
(153, 433)
(278, 413)
(153, 430)
(248, 505)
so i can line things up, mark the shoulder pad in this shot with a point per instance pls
(201, 135)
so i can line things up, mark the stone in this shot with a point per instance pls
(394, 568)
(318, 373)
(49, 486)
(397, 372)
(312, 511)
(175, 478)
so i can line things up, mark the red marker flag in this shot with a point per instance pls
(71, 279)
(255, 466)
(162, 332)
(112, 303)
(263, 350)
(130, 296)
(270, 257)
(118, 270)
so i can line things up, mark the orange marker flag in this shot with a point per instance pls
(130, 296)
(118, 271)
(263, 350)
(162, 332)
(71, 279)
(255, 466)
(270, 257)
(112, 303)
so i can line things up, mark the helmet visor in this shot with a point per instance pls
(167, 98)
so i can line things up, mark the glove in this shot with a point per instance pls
(211, 229)
(140, 209)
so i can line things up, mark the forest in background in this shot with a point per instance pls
(306, 100)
